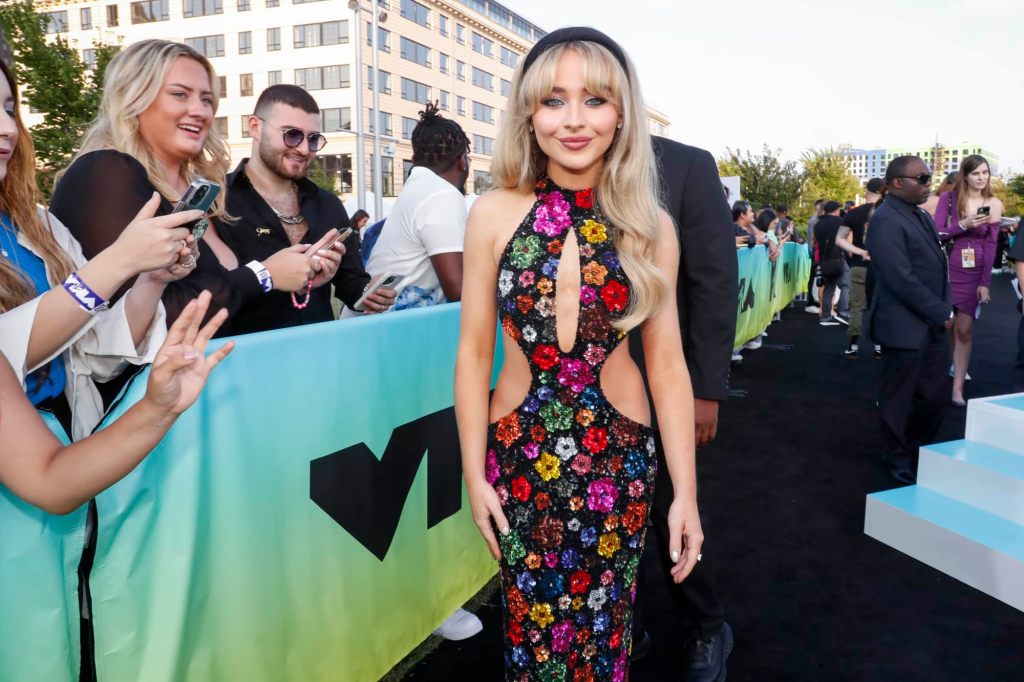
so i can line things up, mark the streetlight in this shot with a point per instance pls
(378, 190)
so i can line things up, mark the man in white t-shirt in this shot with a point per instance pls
(423, 236)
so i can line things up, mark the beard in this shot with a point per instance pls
(276, 163)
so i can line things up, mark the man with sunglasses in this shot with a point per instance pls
(910, 315)
(277, 206)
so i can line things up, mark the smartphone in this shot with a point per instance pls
(379, 282)
(984, 210)
(329, 240)
(199, 196)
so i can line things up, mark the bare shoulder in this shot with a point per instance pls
(498, 203)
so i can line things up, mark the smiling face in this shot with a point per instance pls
(287, 162)
(574, 127)
(176, 124)
(8, 126)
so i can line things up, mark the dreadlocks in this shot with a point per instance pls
(437, 142)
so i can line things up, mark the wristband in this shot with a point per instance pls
(262, 274)
(89, 300)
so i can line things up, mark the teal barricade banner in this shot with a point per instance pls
(305, 520)
(766, 287)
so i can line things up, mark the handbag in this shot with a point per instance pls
(832, 268)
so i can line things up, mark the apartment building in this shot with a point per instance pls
(942, 159)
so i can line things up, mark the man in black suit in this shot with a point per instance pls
(707, 294)
(910, 314)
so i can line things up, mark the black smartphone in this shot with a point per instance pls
(984, 210)
(199, 196)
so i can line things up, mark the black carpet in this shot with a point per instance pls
(809, 596)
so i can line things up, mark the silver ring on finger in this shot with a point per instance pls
(188, 263)
(183, 243)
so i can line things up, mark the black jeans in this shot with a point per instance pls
(912, 397)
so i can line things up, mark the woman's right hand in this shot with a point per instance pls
(485, 505)
(149, 243)
(290, 268)
(973, 221)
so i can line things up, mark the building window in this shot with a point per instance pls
(339, 118)
(483, 145)
(56, 22)
(111, 15)
(482, 112)
(415, 92)
(273, 3)
(244, 6)
(460, 105)
(273, 78)
(315, 35)
(245, 42)
(222, 86)
(273, 39)
(209, 46)
(387, 176)
(484, 46)
(415, 52)
(442, 25)
(460, 34)
(482, 79)
(506, 87)
(220, 124)
(481, 181)
(508, 57)
(444, 100)
(201, 8)
(408, 125)
(406, 169)
(385, 121)
(89, 58)
(149, 10)
(383, 35)
(414, 11)
(245, 85)
(383, 81)
(339, 168)
(323, 77)
(303, 2)
(445, 68)
(245, 125)
(85, 16)
(460, 70)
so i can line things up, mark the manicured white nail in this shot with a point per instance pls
(504, 531)
(675, 555)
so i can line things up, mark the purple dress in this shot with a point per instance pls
(964, 282)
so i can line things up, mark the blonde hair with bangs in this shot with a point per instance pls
(132, 82)
(627, 189)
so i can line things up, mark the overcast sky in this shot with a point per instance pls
(797, 74)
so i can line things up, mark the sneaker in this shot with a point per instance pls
(878, 351)
(706, 658)
(842, 319)
(813, 309)
(460, 625)
(967, 375)
(828, 322)
(753, 344)
(852, 351)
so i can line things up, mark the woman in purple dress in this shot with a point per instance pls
(968, 217)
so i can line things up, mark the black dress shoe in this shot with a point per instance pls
(902, 475)
(642, 645)
(706, 658)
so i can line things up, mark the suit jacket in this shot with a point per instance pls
(708, 282)
(912, 298)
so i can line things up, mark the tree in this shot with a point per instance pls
(320, 176)
(826, 176)
(765, 179)
(1011, 194)
(54, 82)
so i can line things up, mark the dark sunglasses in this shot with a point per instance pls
(922, 179)
(293, 137)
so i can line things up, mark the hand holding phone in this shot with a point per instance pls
(328, 241)
(984, 210)
(199, 196)
(381, 281)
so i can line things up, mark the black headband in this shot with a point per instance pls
(574, 34)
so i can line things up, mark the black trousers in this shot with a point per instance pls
(912, 397)
(695, 600)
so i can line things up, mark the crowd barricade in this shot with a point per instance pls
(766, 287)
(304, 520)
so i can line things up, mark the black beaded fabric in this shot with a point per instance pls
(574, 475)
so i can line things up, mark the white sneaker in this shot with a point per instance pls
(460, 625)
(967, 375)
(753, 344)
(813, 309)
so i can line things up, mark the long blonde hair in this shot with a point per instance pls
(627, 188)
(19, 197)
(132, 81)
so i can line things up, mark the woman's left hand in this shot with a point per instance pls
(685, 537)
(984, 295)
(188, 257)
(330, 261)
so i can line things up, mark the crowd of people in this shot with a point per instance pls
(562, 482)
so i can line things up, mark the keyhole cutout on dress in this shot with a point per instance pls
(567, 293)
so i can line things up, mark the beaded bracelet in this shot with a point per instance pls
(89, 300)
(299, 305)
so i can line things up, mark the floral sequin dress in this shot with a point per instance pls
(575, 477)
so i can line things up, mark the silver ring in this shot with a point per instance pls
(183, 243)
(699, 556)
(189, 263)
